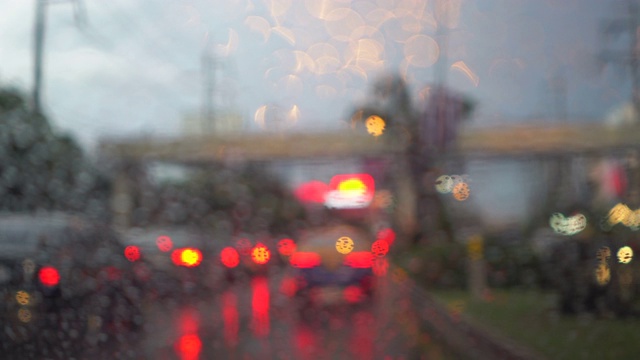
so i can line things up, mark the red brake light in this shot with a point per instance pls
(286, 247)
(305, 259)
(230, 257)
(260, 254)
(189, 257)
(49, 276)
(132, 253)
(387, 235)
(359, 259)
(380, 248)
(164, 243)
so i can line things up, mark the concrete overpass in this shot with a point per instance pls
(517, 140)
(526, 141)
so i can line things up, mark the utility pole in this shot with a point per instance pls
(38, 54)
(629, 25)
(38, 44)
(630, 57)
(208, 76)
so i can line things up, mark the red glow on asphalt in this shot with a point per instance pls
(353, 294)
(230, 318)
(230, 257)
(380, 266)
(49, 276)
(260, 304)
(188, 346)
(289, 286)
(189, 321)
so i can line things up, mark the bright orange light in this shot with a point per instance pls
(354, 184)
(188, 346)
(375, 125)
(189, 257)
(286, 247)
(260, 254)
(350, 191)
(344, 245)
(164, 243)
(49, 276)
(132, 253)
(230, 257)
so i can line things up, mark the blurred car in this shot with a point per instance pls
(181, 259)
(62, 276)
(332, 265)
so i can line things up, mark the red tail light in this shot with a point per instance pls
(380, 248)
(387, 235)
(49, 276)
(359, 259)
(260, 254)
(229, 257)
(286, 247)
(164, 243)
(189, 257)
(305, 259)
(132, 253)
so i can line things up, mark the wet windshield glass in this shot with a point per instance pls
(319, 179)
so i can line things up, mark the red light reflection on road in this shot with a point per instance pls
(188, 347)
(362, 339)
(305, 343)
(230, 318)
(260, 306)
(380, 266)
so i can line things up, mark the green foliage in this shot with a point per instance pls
(42, 170)
(244, 199)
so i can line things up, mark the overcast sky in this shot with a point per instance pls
(135, 67)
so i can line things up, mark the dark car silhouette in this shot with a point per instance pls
(64, 279)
